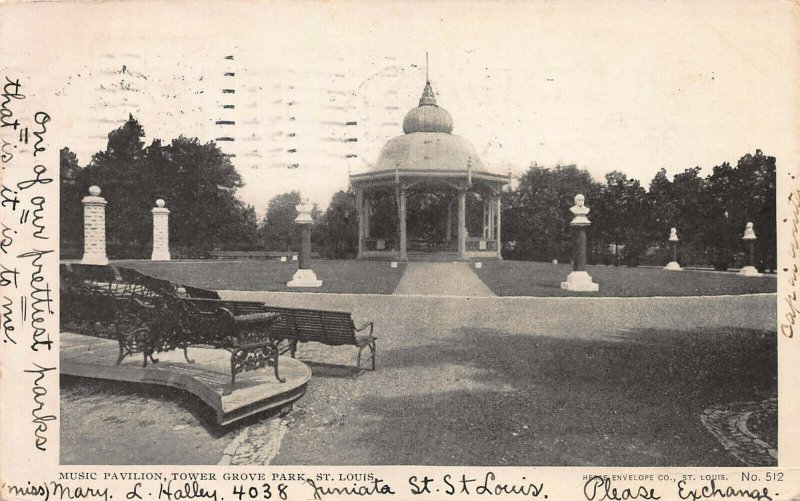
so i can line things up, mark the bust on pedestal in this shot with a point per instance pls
(750, 238)
(579, 280)
(673, 242)
(304, 276)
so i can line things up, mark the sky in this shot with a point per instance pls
(318, 88)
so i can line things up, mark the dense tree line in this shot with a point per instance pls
(630, 223)
(197, 181)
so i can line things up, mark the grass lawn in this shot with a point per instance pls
(527, 278)
(341, 276)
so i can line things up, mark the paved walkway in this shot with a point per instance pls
(441, 279)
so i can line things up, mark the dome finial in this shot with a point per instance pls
(428, 97)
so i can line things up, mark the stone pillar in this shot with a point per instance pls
(304, 276)
(497, 229)
(750, 239)
(673, 242)
(462, 223)
(94, 228)
(360, 209)
(160, 232)
(401, 212)
(579, 279)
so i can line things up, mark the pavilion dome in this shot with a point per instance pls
(428, 142)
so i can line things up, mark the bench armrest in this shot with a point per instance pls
(367, 324)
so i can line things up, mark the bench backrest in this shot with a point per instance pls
(329, 327)
(197, 292)
(235, 307)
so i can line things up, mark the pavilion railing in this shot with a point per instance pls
(380, 244)
(474, 244)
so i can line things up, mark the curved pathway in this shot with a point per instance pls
(441, 279)
(728, 423)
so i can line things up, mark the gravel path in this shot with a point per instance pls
(531, 381)
(441, 279)
(471, 380)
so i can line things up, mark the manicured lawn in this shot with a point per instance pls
(526, 278)
(345, 276)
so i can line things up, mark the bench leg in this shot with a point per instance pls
(121, 351)
(372, 349)
(277, 375)
(186, 355)
(233, 375)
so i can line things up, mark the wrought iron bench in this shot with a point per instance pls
(295, 325)
(332, 328)
(146, 315)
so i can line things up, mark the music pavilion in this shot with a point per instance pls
(429, 158)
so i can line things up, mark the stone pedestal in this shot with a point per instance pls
(750, 271)
(94, 228)
(750, 239)
(304, 276)
(160, 232)
(673, 242)
(580, 280)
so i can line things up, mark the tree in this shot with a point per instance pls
(739, 195)
(278, 227)
(536, 215)
(197, 181)
(621, 218)
(338, 226)
(71, 213)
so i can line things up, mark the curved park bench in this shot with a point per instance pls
(296, 325)
(147, 315)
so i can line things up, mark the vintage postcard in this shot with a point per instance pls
(399, 250)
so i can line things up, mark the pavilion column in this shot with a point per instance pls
(360, 209)
(401, 211)
(462, 223)
(485, 219)
(367, 208)
(498, 207)
(491, 219)
(449, 228)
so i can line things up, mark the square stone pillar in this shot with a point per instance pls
(160, 232)
(94, 228)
